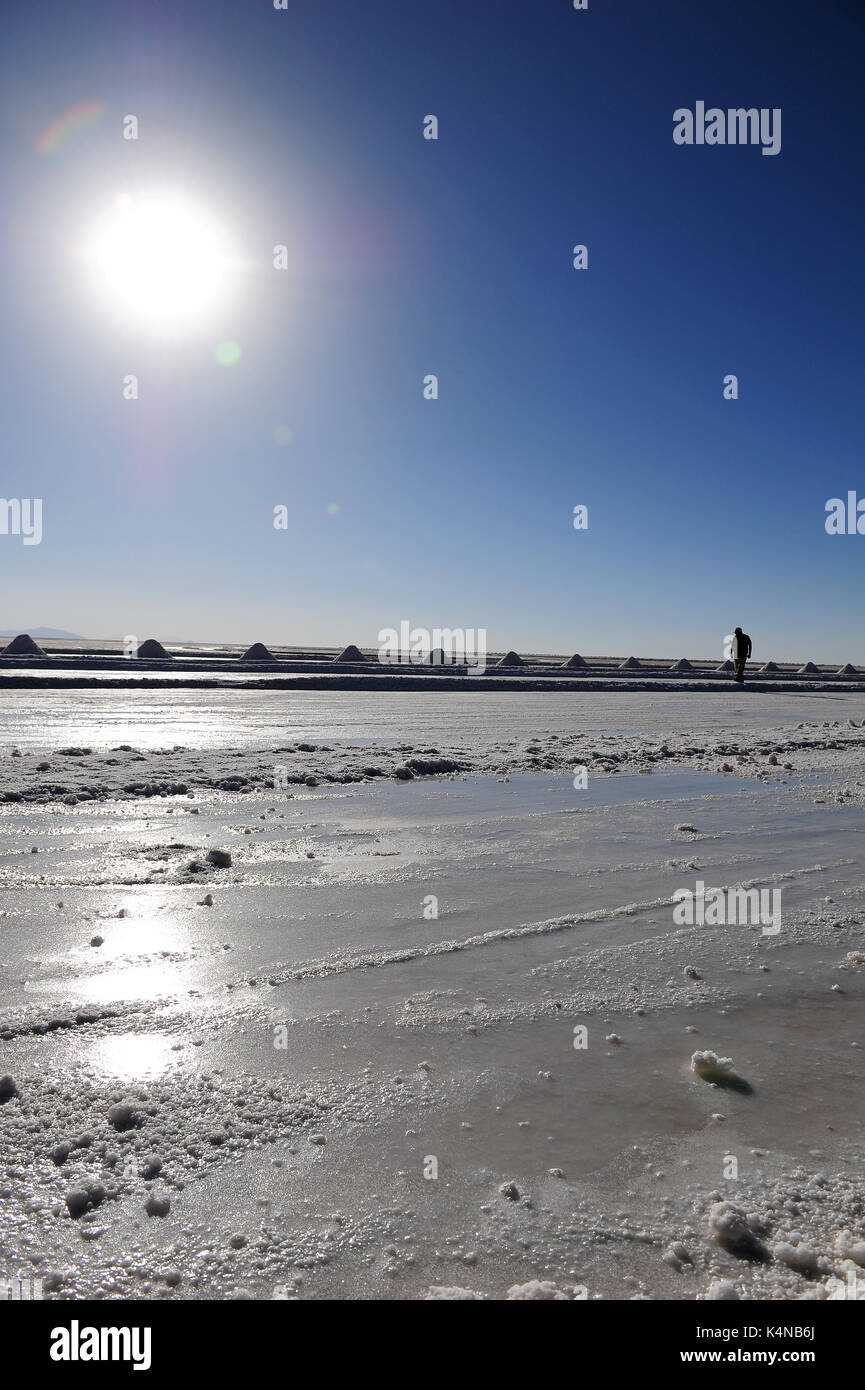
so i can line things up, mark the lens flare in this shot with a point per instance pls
(228, 353)
(77, 118)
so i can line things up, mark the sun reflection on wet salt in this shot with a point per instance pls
(137, 957)
(135, 937)
(158, 980)
(134, 1056)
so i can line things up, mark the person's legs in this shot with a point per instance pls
(740, 670)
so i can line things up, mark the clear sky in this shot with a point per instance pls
(407, 256)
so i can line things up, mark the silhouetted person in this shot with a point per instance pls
(741, 652)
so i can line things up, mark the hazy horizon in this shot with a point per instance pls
(644, 652)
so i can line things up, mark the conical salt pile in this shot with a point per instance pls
(510, 659)
(23, 645)
(151, 650)
(809, 669)
(575, 660)
(258, 652)
(770, 666)
(683, 665)
(350, 654)
(847, 670)
(632, 664)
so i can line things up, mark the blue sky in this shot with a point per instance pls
(407, 257)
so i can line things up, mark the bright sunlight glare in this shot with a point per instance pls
(159, 259)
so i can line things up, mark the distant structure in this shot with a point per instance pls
(23, 645)
(351, 653)
(510, 659)
(258, 652)
(151, 650)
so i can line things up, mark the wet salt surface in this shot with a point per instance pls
(367, 989)
(494, 854)
(39, 720)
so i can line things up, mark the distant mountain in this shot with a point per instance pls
(41, 632)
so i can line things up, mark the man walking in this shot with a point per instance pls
(741, 652)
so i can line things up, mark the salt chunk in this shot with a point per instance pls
(721, 1291)
(730, 1228)
(452, 1293)
(537, 1289)
(799, 1257)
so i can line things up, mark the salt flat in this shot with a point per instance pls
(295, 1052)
(42, 720)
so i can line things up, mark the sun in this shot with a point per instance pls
(159, 259)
